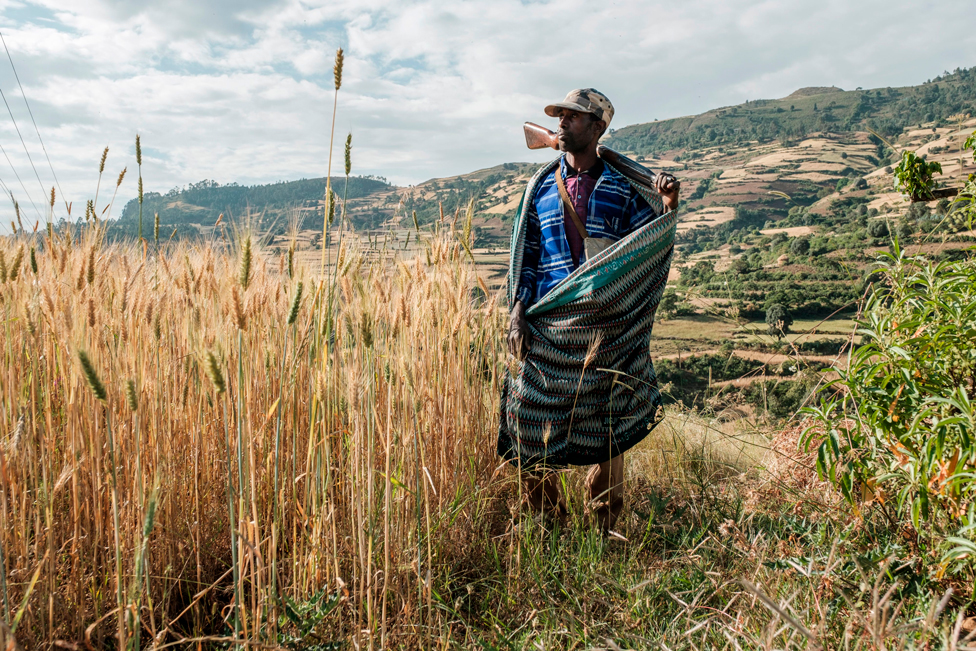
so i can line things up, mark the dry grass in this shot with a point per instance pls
(344, 445)
(245, 462)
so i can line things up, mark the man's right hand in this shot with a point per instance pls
(519, 335)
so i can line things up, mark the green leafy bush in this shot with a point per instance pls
(914, 176)
(898, 428)
(800, 246)
(971, 144)
(778, 320)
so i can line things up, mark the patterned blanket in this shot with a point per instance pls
(587, 389)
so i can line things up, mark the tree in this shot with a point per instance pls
(741, 266)
(800, 246)
(668, 307)
(878, 229)
(778, 320)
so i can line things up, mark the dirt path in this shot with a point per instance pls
(768, 359)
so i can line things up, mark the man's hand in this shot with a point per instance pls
(668, 187)
(519, 335)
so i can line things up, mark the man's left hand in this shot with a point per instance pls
(668, 187)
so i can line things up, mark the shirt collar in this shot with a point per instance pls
(594, 172)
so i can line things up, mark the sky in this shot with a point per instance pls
(242, 90)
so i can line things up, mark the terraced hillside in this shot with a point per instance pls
(888, 111)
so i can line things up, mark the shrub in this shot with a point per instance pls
(914, 176)
(778, 320)
(668, 307)
(899, 429)
(878, 229)
(800, 246)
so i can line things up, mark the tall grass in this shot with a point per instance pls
(204, 369)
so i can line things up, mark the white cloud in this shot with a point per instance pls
(241, 90)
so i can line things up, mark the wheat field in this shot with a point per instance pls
(196, 430)
(206, 445)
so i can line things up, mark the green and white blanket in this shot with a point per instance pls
(587, 389)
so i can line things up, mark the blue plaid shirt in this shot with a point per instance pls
(614, 211)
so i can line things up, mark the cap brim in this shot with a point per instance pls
(552, 109)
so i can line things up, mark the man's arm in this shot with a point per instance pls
(519, 335)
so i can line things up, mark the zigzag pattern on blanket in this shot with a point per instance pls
(560, 409)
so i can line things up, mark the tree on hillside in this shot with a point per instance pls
(800, 246)
(668, 307)
(778, 320)
(878, 229)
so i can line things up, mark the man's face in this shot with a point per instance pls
(577, 131)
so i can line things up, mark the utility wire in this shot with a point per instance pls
(29, 198)
(31, 113)
(31, 160)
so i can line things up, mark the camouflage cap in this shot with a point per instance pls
(584, 100)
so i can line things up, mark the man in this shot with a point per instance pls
(583, 352)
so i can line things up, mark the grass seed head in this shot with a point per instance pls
(245, 275)
(33, 260)
(101, 165)
(291, 262)
(213, 372)
(295, 304)
(52, 197)
(240, 317)
(90, 277)
(139, 156)
(3, 267)
(130, 392)
(140, 189)
(98, 389)
(121, 176)
(348, 154)
(15, 266)
(156, 228)
(337, 69)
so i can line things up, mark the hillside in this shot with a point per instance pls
(200, 204)
(763, 158)
(808, 110)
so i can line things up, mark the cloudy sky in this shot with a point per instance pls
(242, 90)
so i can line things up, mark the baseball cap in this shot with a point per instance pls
(585, 100)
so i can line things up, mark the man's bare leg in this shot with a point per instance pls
(542, 493)
(605, 482)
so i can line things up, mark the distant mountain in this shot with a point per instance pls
(764, 157)
(202, 203)
(808, 110)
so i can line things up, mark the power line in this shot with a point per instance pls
(29, 198)
(31, 160)
(31, 113)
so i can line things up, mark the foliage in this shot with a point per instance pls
(800, 246)
(780, 399)
(778, 320)
(971, 144)
(914, 176)
(668, 307)
(898, 428)
(878, 229)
